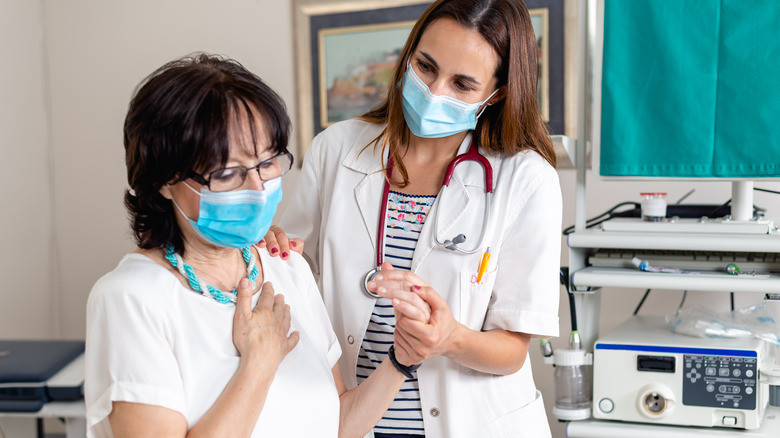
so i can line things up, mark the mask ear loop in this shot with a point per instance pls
(485, 107)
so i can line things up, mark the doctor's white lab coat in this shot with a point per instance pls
(335, 209)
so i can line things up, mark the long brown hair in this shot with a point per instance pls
(512, 124)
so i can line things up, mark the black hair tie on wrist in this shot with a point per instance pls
(403, 369)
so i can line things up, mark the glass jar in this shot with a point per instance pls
(573, 385)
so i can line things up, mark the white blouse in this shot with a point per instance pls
(150, 340)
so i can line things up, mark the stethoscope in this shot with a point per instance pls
(472, 154)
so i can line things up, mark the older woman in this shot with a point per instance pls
(186, 336)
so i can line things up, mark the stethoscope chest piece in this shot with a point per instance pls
(370, 276)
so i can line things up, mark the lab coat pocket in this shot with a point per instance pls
(529, 421)
(474, 298)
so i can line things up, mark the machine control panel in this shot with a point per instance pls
(720, 381)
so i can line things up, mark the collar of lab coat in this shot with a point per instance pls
(368, 192)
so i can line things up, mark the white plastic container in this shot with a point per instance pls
(653, 206)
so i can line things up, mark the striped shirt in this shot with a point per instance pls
(405, 217)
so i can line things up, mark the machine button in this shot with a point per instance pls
(729, 421)
(748, 390)
(723, 372)
(736, 372)
(606, 405)
(749, 373)
(710, 371)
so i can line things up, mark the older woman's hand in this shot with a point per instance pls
(278, 243)
(260, 334)
(397, 285)
(416, 338)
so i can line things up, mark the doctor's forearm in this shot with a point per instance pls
(499, 352)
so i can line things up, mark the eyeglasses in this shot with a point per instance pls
(231, 178)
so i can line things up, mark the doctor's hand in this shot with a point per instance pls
(397, 285)
(277, 242)
(260, 333)
(418, 341)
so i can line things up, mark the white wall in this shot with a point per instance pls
(28, 293)
(97, 53)
(66, 79)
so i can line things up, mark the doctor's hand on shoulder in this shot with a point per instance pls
(425, 326)
(279, 244)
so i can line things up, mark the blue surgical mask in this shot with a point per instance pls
(236, 219)
(432, 116)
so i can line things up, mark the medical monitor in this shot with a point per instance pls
(687, 90)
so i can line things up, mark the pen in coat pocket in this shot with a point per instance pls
(483, 265)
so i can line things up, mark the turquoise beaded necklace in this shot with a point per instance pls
(198, 284)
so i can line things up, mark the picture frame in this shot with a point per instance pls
(547, 17)
(345, 58)
(337, 55)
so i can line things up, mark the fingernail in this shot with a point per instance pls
(274, 250)
(378, 277)
(293, 243)
(243, 283)
(417, 287)
(284, 255)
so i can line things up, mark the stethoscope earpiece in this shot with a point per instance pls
(452, 245)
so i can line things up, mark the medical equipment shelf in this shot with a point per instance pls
(718, 261)
(770, 427)
(596, 238)
(586, 243)
(702, 281)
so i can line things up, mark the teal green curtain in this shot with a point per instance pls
(691, 88)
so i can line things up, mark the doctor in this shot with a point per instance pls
(466, 76)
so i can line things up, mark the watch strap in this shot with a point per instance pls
(403, 369)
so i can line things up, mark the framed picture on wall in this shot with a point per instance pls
(346, 52)
(346, 55)
(540, 19)
(547, 18)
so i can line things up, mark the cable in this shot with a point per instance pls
(766, 190)
(713, 213)
(564, 278)
(682, 301)
(609, 215)
(642, 301)
(731, 296)
(690, 192)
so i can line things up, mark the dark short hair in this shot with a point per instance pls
(179, 121)
(511, 125)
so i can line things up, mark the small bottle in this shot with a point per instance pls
(573, 385)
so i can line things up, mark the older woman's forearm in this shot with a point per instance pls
(363, 406)
(237, 409)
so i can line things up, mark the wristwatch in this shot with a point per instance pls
(403, 369)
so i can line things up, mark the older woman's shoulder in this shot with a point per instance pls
(136, 275)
